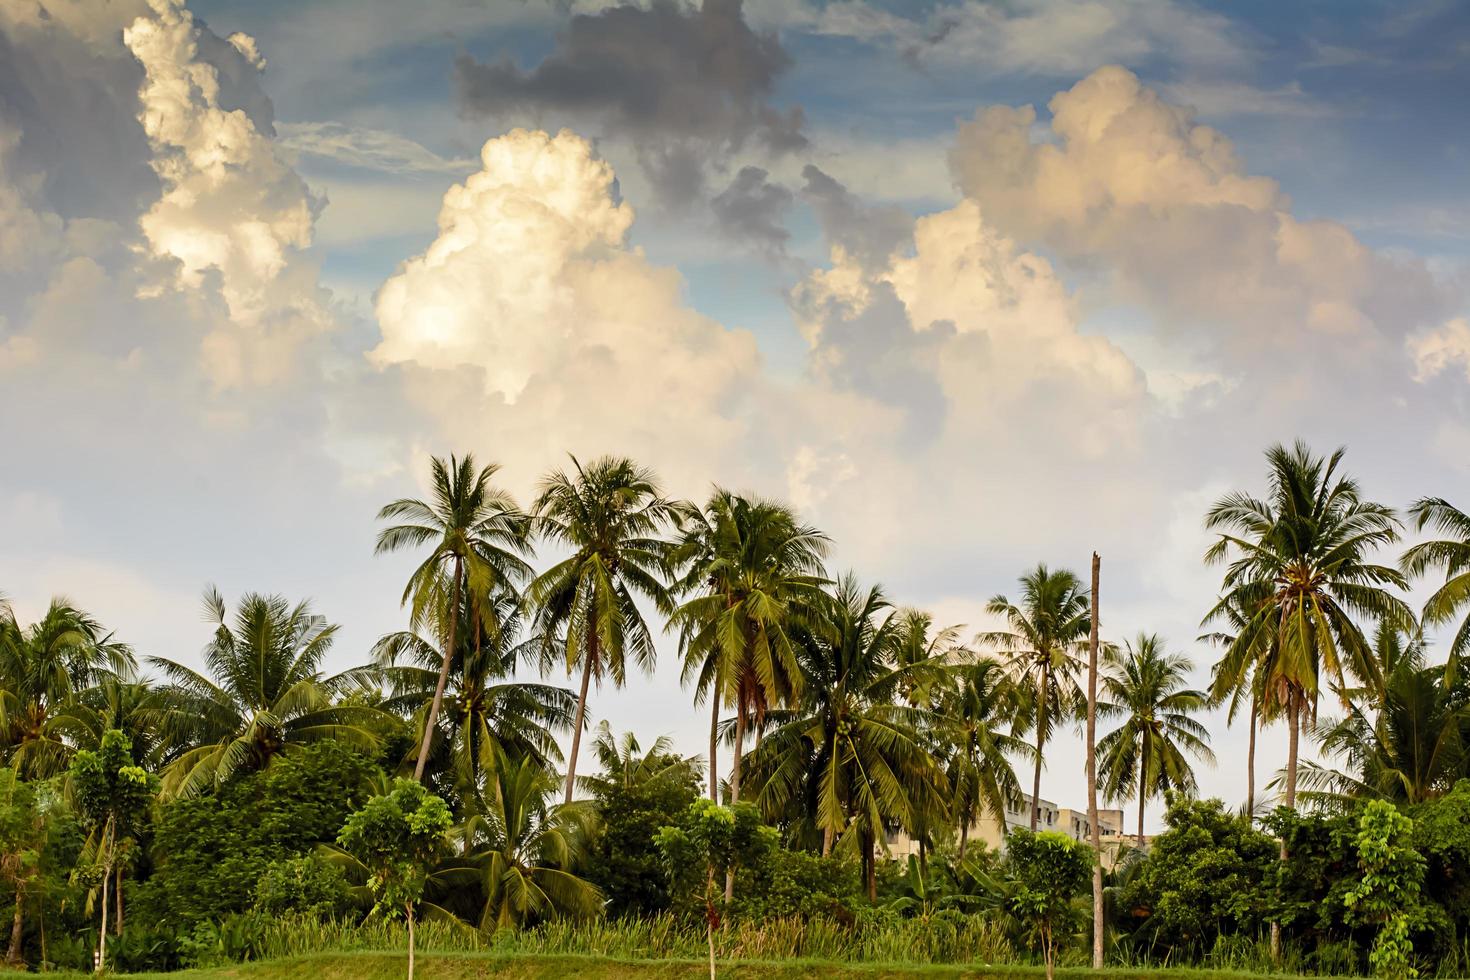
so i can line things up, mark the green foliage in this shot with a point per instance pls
(1046, 872)
(623, 859)
(1202, 878)
(709, 842)
(308, 886)
(398, 836)
(786, 884)
(1442, 836)
(1392, 872)
(210, 851)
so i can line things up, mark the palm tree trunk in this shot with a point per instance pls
(826, 841)
(1142, 797)
(1250, 763)
(1294, 736)
(577, 724)
(964, 836)
(433, 719)
(1040, 744)
(735, 778)
(714, 730)
(117, 926)
(17, 932)
(1095, 832)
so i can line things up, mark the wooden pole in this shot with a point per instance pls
(1097, 875)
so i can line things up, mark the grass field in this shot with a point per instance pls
(470, 966)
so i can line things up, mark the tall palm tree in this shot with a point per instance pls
(849, 755)
(1300, 563)
(44, 669)
(758, 572)
(264, 693)
(485, 713)
(1150, 752)
(611, 514)
(1041, 648)
(1451, 553)
(973, 709)
(526, 851)
(477, 537)
(1237, 679)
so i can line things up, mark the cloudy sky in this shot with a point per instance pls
(974, 284)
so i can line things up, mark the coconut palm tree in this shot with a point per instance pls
(1150, 752)
(974, 709)
(625, 765)
(1300, 562)
(1238, 677)
(478, 539)
(610, 514)
(1451, 553)
(44, 669)
(849, 755)
(264, 693)
(485, 713)
(526, 850)
(758, 573)
(1041, 649)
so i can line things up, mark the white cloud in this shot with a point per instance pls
(367, 148)
(1442, 349)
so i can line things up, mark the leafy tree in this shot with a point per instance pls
(112, 796)
(610, 514)
(485, 713)
(1442, 836)
(1047, 872)
(265, 693)
(635, 791)
(711, 842)
(478, 538)
(848, 756)
(1392, 872)
(1149, 754)
(1041, 646)
(44, 667)
(22, 836)
(757, 573)
(398, 837)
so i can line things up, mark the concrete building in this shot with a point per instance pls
(1050, 816)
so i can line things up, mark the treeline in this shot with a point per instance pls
(180, 816)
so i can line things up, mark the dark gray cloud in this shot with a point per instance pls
(869, 233)
(689, 85)
(752, 210)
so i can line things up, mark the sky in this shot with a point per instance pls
(974, 285)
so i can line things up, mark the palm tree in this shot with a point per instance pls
(1237, 680)
(478, 537)
(1149, 753)
(527, 851)
(625, 765)
(973, 709)
(264, 693)
(848, 755)
(1047, 630)
(1452, 553)
(610, 515)
(758, 571)
(44, 669)
(1300, 565)
(485, 714)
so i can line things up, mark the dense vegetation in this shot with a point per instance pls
(156, 816)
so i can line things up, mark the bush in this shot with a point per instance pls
(306, 886)
(623, 860)
(799, 884)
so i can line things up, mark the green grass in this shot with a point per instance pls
(501, 966)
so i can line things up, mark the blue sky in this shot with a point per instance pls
(259, 261)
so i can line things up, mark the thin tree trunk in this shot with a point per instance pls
(964, 836)
(117, 926)
(1142, 794)
(408, 908)
(577, 725)
(710, 917)
(714, 730)
(735, 767)
(1294, 735)
(102, 932)
(1250, 763)
(826, 841)
(17, 932)
(870, 873)
(433, 719)
(1040, 745)
(923, 857)
(1096, 832)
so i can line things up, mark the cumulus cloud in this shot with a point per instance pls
(689, 86)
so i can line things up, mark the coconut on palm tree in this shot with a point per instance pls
(477, 540)
(1150, 753)
(757, 572)
(611, 515)
(264, 693)
(1041, 648)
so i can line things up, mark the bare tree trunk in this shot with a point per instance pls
(826, 841)
(1096, 833)
(17, 932)
(964, 836)
(1250, 763)
(1040, 745)
(433, 719)
(408, 908)
(117, 926)
(735, 767)
(577, 725)
(714, 732)
(1293, 743)
(1142, 796)
(102, 932)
